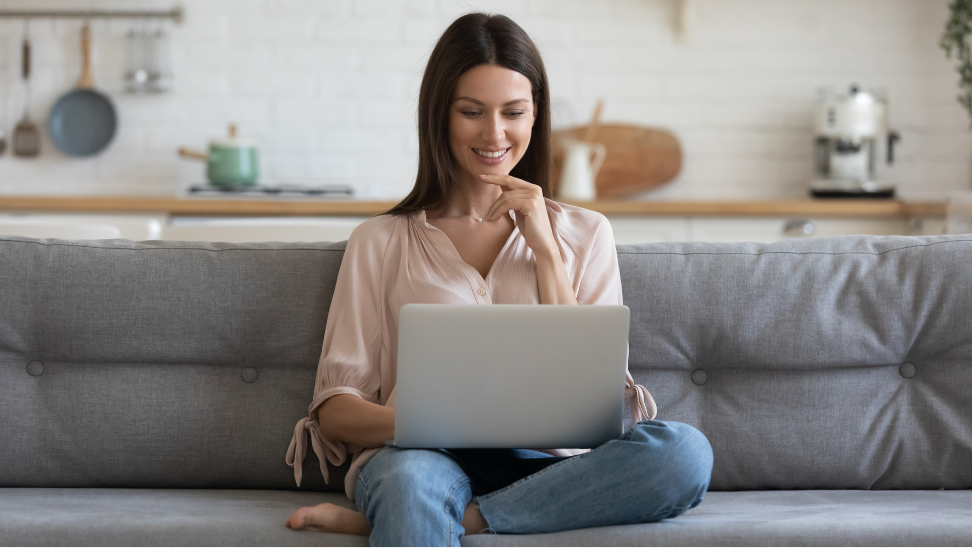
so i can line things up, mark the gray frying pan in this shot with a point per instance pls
(83, 121)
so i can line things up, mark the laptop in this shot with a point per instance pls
(510, 376)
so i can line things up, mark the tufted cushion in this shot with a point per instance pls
(177, 364)
(146, 351)
(838, 363)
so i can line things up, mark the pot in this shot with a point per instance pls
(230, 162)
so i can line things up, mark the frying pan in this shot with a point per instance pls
(83, 121)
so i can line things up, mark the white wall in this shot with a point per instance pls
(329, 88)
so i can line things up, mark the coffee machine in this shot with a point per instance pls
(850, 129)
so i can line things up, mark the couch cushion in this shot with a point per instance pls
(209, 517)
(834, 363)
(786, 518)
(814, 363)
(126, 364)
(161, 517)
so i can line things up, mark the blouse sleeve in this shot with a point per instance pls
(600, 283)
(349, 362)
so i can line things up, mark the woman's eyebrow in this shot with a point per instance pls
(513, 102)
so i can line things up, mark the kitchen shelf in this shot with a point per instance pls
(855, 209)
(176, 14)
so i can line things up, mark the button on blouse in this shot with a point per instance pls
(392, 260)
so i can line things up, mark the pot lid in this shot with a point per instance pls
(232, 141)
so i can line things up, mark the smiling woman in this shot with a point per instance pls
(487, 133)
(478, 228)
(486, 70)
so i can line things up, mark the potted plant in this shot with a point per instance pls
(955, 42)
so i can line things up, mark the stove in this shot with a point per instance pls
(265, 191)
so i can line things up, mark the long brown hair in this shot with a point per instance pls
(472, 40)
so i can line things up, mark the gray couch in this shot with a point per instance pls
(149, 390)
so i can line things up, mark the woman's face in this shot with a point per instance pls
(492, 114)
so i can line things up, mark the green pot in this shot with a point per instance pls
(232, 164)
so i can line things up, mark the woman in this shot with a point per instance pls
(478, 228)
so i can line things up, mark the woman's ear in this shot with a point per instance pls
(534, 115)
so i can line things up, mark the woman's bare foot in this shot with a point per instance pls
(330, 518)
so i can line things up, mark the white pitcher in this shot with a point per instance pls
(579, 172)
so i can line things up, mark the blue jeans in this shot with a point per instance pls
(417, 497)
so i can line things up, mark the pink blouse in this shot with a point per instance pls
(392, 260)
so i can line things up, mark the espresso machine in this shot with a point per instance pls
(850, 131)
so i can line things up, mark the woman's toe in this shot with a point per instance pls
(299, 519)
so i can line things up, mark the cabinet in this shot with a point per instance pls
(634, 230)
(260, 229)
(247, 220)
(627, 229)
(82, 226)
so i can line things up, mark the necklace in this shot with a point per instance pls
(479, 219)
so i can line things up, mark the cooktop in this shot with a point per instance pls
(285, 190)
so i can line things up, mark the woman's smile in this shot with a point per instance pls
(492, 157)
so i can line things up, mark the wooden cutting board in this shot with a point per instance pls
(638, 158)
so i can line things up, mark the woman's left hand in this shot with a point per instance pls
(531, 211)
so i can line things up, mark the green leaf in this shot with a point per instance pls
(954, 41)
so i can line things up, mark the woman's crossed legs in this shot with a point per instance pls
(419, 497)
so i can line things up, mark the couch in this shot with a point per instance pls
(149, 390)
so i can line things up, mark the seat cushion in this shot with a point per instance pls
(201, 517)
(786, 518)
(161, 517)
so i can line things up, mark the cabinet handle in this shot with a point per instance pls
(796, 228)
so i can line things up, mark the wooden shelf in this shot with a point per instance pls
(359, 208)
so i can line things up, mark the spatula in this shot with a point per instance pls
(26, 137)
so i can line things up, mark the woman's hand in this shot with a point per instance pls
(531, 212)
(531, 218)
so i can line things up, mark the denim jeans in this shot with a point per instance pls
(417, 497)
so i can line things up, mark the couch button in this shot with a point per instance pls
(907, 370)
(699, 376)
(35, 368)
(249, 375)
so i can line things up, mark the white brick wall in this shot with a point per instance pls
(329, 88)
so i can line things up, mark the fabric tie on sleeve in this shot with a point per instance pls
(325, 450)
(639, 397)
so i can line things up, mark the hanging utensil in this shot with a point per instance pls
(83, 122)
(160, 62)
(136, 73)
(26, 137)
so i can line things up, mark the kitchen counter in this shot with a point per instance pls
(209, 207)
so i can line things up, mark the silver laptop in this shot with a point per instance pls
(510, 376)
